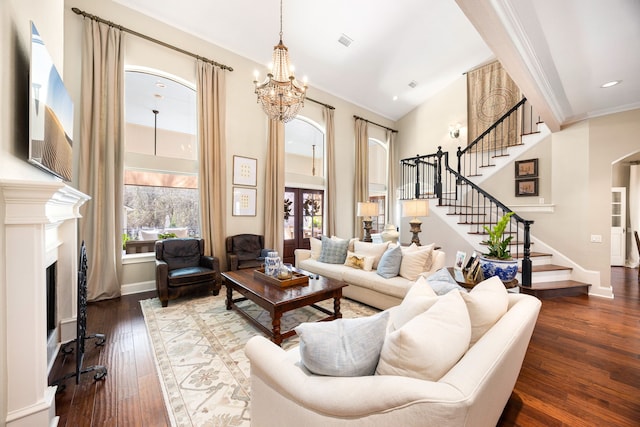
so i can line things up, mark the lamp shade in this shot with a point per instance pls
(367, 209)
(415, 208)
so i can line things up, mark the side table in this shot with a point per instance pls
(461, 279)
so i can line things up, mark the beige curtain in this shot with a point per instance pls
(392, 177)
(101, 151)
(490, 94)
(211, 139)
(274, 188)
(361, 191)
(330, 197)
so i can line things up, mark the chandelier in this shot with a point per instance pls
(280, 94)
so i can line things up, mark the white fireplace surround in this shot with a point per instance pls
(40, 227)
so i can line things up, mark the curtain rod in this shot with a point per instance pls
(151, 39)
(374, 123)
(321, 103)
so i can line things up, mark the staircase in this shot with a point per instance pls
(467, 208)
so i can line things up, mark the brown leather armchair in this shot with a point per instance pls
(182, 267)
(245, 251)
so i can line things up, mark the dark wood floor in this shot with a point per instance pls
(582, 367)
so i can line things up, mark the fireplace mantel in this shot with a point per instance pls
(40, 226)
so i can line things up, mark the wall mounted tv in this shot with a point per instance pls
(51, 114)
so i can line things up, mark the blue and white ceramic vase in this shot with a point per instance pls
(272, 264)
(506, 270)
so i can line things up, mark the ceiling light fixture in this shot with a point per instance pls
(280, 94)
(611, 83)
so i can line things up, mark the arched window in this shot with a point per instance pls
(378, 165)
(161, 159)
(304, 192)
(304, 148)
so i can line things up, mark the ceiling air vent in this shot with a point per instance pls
(345, 40)
(413, 84)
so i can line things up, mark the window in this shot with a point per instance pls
(378, 164)
(304, 148)
(161, 160)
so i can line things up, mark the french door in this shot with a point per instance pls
(303, 219)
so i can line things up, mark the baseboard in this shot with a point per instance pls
(136, 288)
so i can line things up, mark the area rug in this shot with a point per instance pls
(199, 350)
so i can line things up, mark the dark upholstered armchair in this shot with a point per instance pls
(181, 268)
(245, 251)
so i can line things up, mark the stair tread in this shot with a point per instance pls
(560, 284)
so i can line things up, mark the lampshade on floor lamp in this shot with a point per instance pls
(415, 208)
(367, 210)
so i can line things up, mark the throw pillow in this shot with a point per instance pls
(487, 302)
(419, 298)
(413, 263)
(359, 261)
(441, 282)
(371, 249)
(429, 248)
(430, 344)
(389, 265)
(333, 251)
(343, 347)
(316, 247)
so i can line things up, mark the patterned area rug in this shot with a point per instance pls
(199, 349)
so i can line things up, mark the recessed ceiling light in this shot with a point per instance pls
(345, 40)
(395, 98)
(413, 83)
(611, 83)
(157, 95)
(161, 85)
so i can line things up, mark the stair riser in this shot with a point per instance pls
(547, 276)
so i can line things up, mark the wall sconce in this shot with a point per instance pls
(367, 210)
(454, 131)
(415, 208)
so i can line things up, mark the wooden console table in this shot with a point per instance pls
(461, 279)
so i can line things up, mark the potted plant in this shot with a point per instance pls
(498, 261)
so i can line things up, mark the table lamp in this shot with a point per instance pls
(367, 210)
(415, 208)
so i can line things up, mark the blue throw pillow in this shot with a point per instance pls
(441, 282)
(343, 347)
(333, 251)
(389, 265)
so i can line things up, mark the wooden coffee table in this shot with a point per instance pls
(277, 300)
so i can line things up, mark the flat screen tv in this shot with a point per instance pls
(50, 114)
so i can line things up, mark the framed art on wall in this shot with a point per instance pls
(526, 168)
(527, 187)
(244, 201)
(245, 171)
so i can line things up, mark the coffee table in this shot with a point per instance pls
(277, 300)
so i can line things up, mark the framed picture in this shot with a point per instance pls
(474, 274)
(460, 257)
(526, 168)
(527, 187)
(469, 262)
(245, 171)
(244, 201)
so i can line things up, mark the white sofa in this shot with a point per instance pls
(366, 286)
(472, 393)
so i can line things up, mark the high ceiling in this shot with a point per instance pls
(558, 52)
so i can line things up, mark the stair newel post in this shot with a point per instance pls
(526, 261)
(438, 189)
(459, 154)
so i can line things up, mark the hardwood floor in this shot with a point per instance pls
(582, 367)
